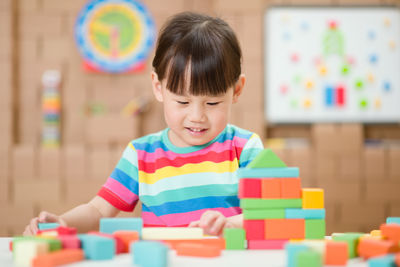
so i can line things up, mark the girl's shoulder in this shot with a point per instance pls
(236, 131)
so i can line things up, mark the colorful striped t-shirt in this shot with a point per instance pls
(177, 184)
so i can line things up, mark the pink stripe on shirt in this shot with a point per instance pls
(124, 193)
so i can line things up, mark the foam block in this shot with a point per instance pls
(351, 239)
(197, 250)
(150, 254)
(336, 253)
(69, 241)
(53, 244)
(263, 214)
(110, 225)
(267, 244)
(127, 238)
(97, 247)
(290, 188)
(395, 220)
(271, 188)
(268, 172)
(305, 213)
(391, 231)
(253, 203)
(284, 228)
(397, 259)
(292, 249)
(313, 198)
(315, 229)
(249, 188)
(25, 251)
(119, 245)
(47, 226)
(368, 248)
(168, 233)
(266, 159)
(308, 258)
(382, 261)
(255, 229)
(376, 233)
(60, 257)
(316, 245)
(215, 242)
(234, 238)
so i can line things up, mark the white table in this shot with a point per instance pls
(229, 258)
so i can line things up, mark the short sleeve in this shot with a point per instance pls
(250, 150)
(121, 188)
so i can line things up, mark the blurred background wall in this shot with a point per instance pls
(361, 180)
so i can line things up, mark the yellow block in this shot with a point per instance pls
(171, 233)
(376, 233)
(25, 251)
(312, 198)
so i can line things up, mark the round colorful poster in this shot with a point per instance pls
(114, 35)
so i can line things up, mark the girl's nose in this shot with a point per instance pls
(196, 113)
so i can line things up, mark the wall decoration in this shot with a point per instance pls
(332, 64)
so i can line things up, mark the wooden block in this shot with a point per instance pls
(252, 203)
(111, 225)
(290, 188)
(234, 238)
(336, 253)
(271, 188)
(284, 228)
(25, 251)
(197, 250)
(267, 244)
(168, 233)
(315, 229)
(308, 258)
(119, 245)
(249, 188)
(313, 198)
(97, 247)
(292, 249)
(391, 231)
(260, 214)
(368, 247)
(149, 253)
(61, 257)
(255, 229)
(127, 238)
(215, 242)
(352, 240)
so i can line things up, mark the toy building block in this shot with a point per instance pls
(110, 225)
(53, 244)
(64, 230)
(352, 240)
(266, 159)
(395, 220)
(47, 226)
(26, 250)
(397, 259)
(263, 214)
(316, 245)
(119, 245)
(127, 238)
(271, 188)
(97, 247)
(286, 172)
(315, 228)
(234, 238)
(215, 242)
(313, 198)
(305, 213)
(267, 244)
(290, 188)
(336, 253)
(255, 229)
(368, 248)
(284, 228)
(391, 231)
(376, 233)
(197, 250)
(57, 258)
(382, 261)
(168, 233)
(292, 249)
(249, 188)
(149, 254)
(69, 241)
(254, 203)
(308, 258)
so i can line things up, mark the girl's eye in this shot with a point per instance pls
(182, 102)
(213, 103)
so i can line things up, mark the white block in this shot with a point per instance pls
(171, 233)
(25, 251)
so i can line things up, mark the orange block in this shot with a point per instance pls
(270, 188)
(368, 247)
(127, 237)
(391, 231)
(397, 259)
(197, 250)
(214, 242)
(336, 253)
(290, 188)
(284, 228)
(59, 257)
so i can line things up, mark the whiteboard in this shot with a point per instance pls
(332, 64)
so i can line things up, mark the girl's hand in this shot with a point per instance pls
(44, 217)
(212, 222)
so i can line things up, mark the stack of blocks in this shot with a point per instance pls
(275, 207)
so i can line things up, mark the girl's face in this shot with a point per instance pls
(195, 120)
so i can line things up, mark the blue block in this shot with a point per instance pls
(97, 247)
(110, 225)
(291, 251)
(305, 213)
(382, 261)
(395, 220)
(149, 254)
(287, 172)
(48, 226)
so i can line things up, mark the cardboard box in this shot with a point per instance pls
(36, 191)
(394, 163)
(24, 162)
(325, 138)
(350, 167)
(326, 166)
(351, 139)
(74, 158)
(387, 191)
(374, 167)
(336, 191)
(363, 213)
(302, 158)
(80, 192)
(99, 163)
(49, 164)
(18, 217)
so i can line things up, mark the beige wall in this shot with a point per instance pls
(36, 35)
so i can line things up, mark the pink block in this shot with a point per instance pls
(69, 241)
(266, 244)
(119, 244)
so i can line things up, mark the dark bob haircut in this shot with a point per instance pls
(201, 48)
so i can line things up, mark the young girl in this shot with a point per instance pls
(184, 175)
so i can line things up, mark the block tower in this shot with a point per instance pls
(275, 207)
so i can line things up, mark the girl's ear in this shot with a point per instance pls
(238, 88)
(157, 87)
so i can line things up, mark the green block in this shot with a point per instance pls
(315, 229)
(308, 258)
(258, 203)
(266, 159)
(263, 214)
(352, 240)
(234, 238)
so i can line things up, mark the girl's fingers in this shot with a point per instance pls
(218, 225)
(194, 224)
(208, 218)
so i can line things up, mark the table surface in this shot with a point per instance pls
(228, 258)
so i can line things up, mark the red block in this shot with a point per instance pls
(336, 253)
(391, 231)
(69, 241)
(368, 248)
(119, 245)
(266, 244)
(270, 188)
(254, 229)
(284, 229)
(249, 188)
(290, 188)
